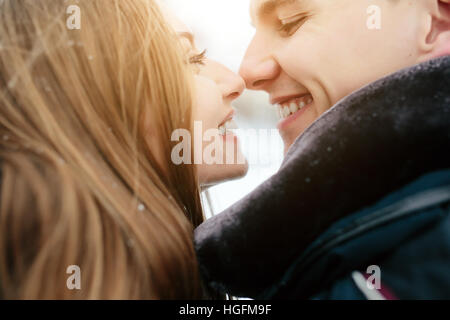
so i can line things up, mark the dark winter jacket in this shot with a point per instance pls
(366, 186)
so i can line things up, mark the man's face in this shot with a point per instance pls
(309, 54)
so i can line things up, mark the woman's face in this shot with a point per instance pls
(216, 88)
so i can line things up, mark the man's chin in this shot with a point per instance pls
(289, 139)
(287, 146)
(290, 134)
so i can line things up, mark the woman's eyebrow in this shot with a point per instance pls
(187, 35)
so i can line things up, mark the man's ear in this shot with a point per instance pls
(437, 40)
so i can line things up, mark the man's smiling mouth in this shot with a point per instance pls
(291, 106)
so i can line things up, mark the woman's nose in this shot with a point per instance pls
(232, 86)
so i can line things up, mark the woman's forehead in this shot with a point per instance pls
(178, 25)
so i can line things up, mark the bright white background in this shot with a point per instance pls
(223, 28)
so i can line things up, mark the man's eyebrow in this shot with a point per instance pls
(270, 5)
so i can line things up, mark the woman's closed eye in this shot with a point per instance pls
(291, 25)
(199, 58)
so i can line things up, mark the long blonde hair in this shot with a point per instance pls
(80, 183)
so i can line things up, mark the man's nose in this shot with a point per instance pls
(258, 72)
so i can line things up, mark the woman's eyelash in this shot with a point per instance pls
(198, 58)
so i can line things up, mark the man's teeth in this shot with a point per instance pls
(227, 127)
(290, 107)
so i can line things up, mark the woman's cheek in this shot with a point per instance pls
(207, 102)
